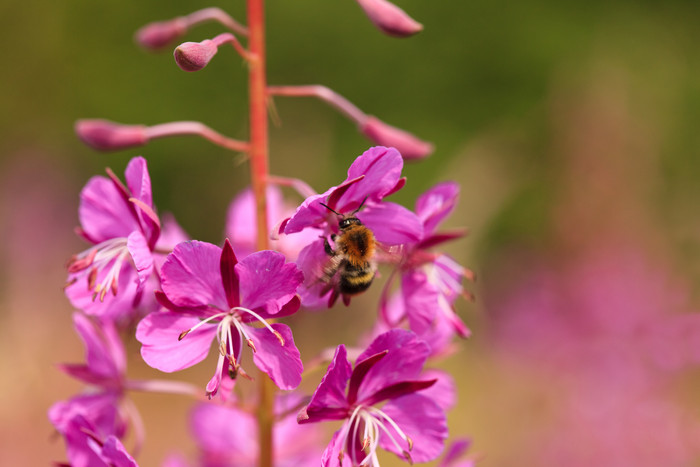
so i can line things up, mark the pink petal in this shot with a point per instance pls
(443, 392)
(114, 453)
(281, 363)
(142, 256)
(120, 306)
(404, 361)
(225, 433)
(139, 182)
(331, 454)
(420, 419)
(229, 279)
(381, 168)
(410, 146)
(309, 214)
(266, 282)
(161, 349)
(191, 277)
(103, 212)
(436, 204)
(329, 400)
(100, 409)
(456, 450)
(392, 224)
(102, 358)
(421, 300)
(171, 233)
(312, 260)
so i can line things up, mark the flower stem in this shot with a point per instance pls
(259, 169)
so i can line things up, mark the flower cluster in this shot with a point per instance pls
(142, 276)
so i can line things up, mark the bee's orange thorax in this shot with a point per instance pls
(357, 244)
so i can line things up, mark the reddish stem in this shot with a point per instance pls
(259, 169)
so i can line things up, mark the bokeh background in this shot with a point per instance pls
(571, 126)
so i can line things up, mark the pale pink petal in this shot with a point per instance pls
(191, 276)
(392, 224)
(454, 452)
(121, 305)
(159, 332)
(329, 400)
(403, 362)
(421, 301)
(225, 433)
(436, 204)
(266, 282)
(420, 419)
(281, 363)
(138, 180)
(103, 357)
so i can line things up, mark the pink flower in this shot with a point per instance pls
(111, 278)
(209, 294)
(227, 435)
(429, 283)
(409, 424)
(389, 18)
(373, 176)
(241, 228)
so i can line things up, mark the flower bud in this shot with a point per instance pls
(104, 135)
(389, 18)
(383, 134)
(159, 34)
(193, 56)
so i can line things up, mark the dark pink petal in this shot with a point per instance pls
(83, 373)
(381, 168)
(329, 401)
(290, 307)
(310, 214)
(404, 361)
(266, 282)
(229, 279)
(281, 363)
(159, 334)
(436, 204)
(389, 18)
(337, 193)
(142, 256)
(191, 276)
(102, 359)
(331, 456)
(115, 455)
(444, 391)
(225, 433)
(392, 223)
(103, 212)
(430, 241)
(420, 419)
(397, 390)
(359, 372)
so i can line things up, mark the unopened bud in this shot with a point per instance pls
(193, 56)
(161, 33)
(389, 18)
(407, 144)
(104, 135)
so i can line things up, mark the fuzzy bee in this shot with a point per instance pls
(351, 256)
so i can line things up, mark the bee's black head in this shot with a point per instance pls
(347, 222)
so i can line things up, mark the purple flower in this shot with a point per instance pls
(409, 424)
(209, 294)
(429, 283)
(241, 228)
(227, 435)
(373, 176)
(111, 277)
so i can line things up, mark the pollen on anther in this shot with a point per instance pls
(183, 334)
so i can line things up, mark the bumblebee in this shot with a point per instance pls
(351, 255)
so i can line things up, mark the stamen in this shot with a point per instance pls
(184, 333)
(262, 320)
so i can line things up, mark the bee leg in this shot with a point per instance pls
(327, 247)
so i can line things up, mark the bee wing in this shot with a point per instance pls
(388, 253)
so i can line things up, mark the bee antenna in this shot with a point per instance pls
(359, 207)
(331, 210)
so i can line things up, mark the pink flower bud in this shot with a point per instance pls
(193, 56)
(383, 134)
(389, 18)
(159, 34)
(104, 135)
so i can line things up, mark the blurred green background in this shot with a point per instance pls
(493, 84)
